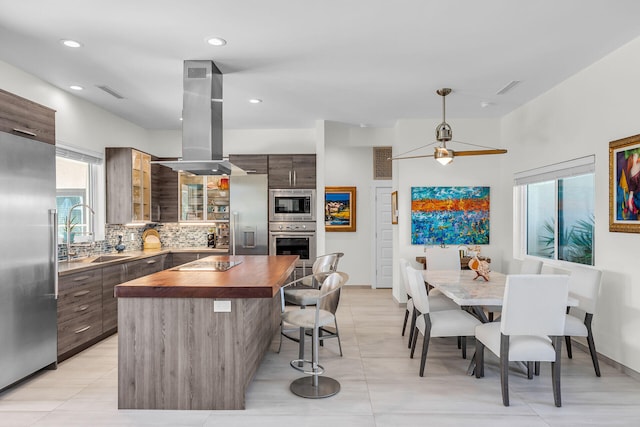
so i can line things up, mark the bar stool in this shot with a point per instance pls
(315, 386)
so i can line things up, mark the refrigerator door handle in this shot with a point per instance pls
(53, 214)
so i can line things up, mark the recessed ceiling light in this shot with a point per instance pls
(485, 104)
(71, 43)
(216, 41)
(76, 87)
(255, 101)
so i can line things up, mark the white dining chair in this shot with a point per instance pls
(530, 328)
(442, 259)
(446, 323)
(527, 266)
(584, 285)
(438, 301)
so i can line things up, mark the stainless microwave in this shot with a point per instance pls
(292, 205)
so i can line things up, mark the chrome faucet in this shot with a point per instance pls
(68, 225)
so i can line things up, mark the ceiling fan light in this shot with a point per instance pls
(443, 156)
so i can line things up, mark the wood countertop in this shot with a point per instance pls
(257, 276)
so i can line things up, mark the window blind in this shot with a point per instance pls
(81, 155)
(566, 169)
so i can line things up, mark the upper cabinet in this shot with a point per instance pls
(164, 193)
(204, 198)
(251, 163)
(128, 184)
(292, 171)
(22, 117)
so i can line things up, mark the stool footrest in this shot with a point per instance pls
(299, 365)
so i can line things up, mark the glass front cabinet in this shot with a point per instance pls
(128, 185)
(204, 198)
(141, 185)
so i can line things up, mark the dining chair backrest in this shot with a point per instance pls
(403, 276)
(418, 290)
(584, 285)
(531, 266)
(442, 259)
(534, 304)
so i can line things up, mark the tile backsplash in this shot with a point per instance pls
(174, 235)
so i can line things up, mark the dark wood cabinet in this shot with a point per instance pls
(179, 258)
(145, 266)
(251, 163)
(25, 118)
(292, 171)
(164, 193)
(128, 185)
(112, 275)
(79, 309)
(87, 308)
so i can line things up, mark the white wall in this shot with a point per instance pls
(463, 171)
(577, 118)
(350, 164)
(78, 123)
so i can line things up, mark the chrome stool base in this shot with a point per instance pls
(304, 387)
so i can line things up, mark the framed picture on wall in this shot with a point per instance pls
(450, 215)
(394, 207)
(340, 208)
(624, 185)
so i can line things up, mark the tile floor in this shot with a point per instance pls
(380, 386)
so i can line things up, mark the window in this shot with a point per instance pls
(555, 211)
(77, 177)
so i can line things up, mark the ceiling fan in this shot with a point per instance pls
(444, 134)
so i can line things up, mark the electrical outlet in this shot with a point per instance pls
(223, 306)
(132, 237)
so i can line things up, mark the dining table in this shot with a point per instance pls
(472, 292)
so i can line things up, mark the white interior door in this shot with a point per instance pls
(383, 240)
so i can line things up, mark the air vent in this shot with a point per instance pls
(111, 91)
(508, 87)
(382, 166)
(196, 73)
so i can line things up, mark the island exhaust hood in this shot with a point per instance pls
(201, 121)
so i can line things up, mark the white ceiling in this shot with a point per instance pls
(365, 62)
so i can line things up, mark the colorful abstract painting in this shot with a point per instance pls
(449, 215)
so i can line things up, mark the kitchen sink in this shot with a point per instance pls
(106, 258)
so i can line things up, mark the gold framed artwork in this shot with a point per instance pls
(394, 207)
(340, 208)
(624, 185)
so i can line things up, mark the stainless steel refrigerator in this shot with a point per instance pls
(28, 257)
(249, 206)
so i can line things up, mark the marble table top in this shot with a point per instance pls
(463, 290)
(461, 287)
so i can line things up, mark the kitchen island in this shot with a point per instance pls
(192, 338)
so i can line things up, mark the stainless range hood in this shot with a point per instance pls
(201, 121)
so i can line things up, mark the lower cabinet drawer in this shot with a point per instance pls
(79, 330)
(76, 301)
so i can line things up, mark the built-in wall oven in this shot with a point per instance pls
(288, 205)
(294, 238)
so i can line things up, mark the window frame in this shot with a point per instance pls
(95, 184)
(573, 168)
